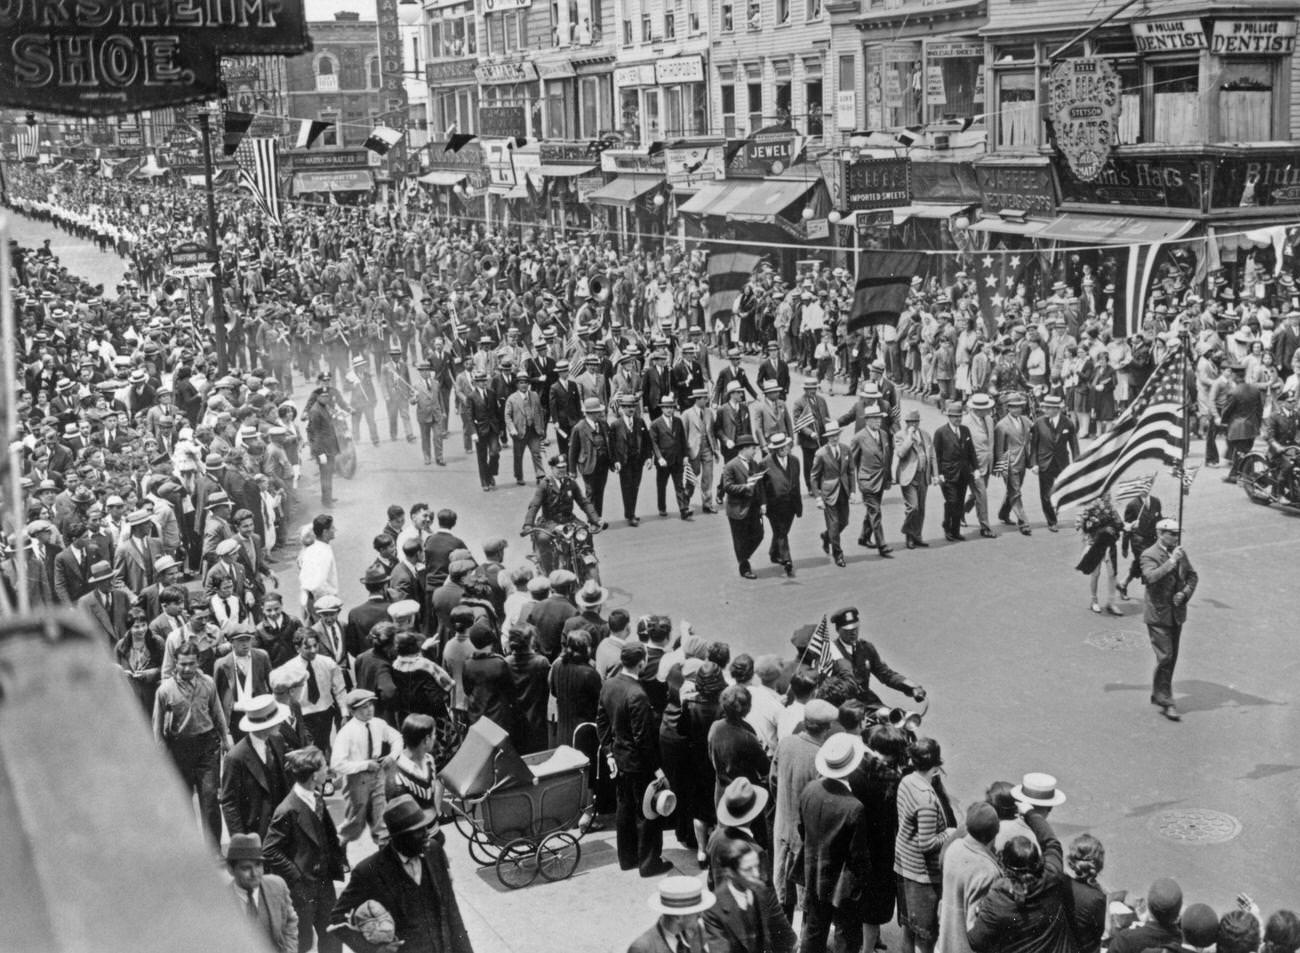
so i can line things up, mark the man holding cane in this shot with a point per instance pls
(1170, 582)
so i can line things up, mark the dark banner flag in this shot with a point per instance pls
(883, 281)
(728, 274)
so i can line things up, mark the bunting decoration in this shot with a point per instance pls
(458, 141)
(236, 126)
(382, 139)
(310, 130)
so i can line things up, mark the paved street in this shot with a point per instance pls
(82, 258)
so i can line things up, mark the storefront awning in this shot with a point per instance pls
(1002, 226)
(1114, 229)
(357, 180)
(624, 190)
(565, 171)
(442, 177)
(754, 201)
(516, 192)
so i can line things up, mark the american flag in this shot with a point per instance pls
(996, 274)
(1184, 474)
(264, 179)
(806, 420)
(819, 647)
(1151, 426)
(689, 476)
(28, 139)
(1132, 489)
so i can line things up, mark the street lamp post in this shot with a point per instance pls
(218, 304)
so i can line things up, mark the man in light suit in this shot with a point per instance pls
(869, 459)
(430, 414)
(771, 416)
(810, 404)
(1011, 459)
(107, 604)
(136, 555)
(701, 444)
(526, 425)
(1053, 443)
(784, 499)
(242, 674)
(832, 478)
(914, 462)
(259, 896)
(954, 455)
(979, 421)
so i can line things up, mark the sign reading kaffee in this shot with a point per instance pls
(104, 57)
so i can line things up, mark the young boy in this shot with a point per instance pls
(364, 751)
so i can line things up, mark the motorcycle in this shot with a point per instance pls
(1264, 482)
(575, 549)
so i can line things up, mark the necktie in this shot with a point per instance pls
(370, 743)
(252, 904)
(313, 689)
(682, 945)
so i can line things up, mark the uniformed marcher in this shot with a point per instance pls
(832, 479)
(858, 659)
(1170, 582)
(554, 502)
(742, 485)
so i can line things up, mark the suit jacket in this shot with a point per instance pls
(427, 397)
(70, 575)
(836, 857)
(741, 497)
(668, 437)
(782, 490)
(361, 619)
(251, 790)
(629, 444)
(655, 383)
(701, 442)
(224, 674)
(302, 848)
(111, 622)
(981, 432)
(725, 377)
(652, 941)
(405, 583)
(1011, 444)
(869, 456)
(426, 916)
(1163, 582)
(320, 432)
(811, 437)
(1054, 445)
(626, 726)
(1243, 412)
(40, 578)
(584, 457)
(778, 371)
(524, 415)
(832, 474)
(914, 456)
(485, 415)
(762, 928)
(769, 420)
(437, 554)
(135, 566)
(279, 911)
(277, 640)
(564, 405)
(954, 453)
(733, 421)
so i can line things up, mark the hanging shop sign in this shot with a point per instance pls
(641, 75)
(877, 183)
(566, 153)
(496, 6)
(586, 184)
(447, 72)
(1022, 188)
(1253, 37)
(632, 160)
(391, 80)
(468, 158)
(846, 109)
(1167, 36)
(96, 59)
(502, 121)
(332, 159)
(1084, 100)
(765, 153)
(493, 74)
(679, 69)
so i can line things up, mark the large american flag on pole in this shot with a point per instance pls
(263, 178)
(1151, 427)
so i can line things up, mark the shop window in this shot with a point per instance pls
(727, 97)
(897, 80)
(726, 19)
(629, 103)
(954, 81)
(812, 97)
(782, 12)
(652, 129)
(1017, 109)
(1246, 101)
(1175, 102)
(755, 94)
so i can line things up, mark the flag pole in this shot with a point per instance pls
(1184, 341)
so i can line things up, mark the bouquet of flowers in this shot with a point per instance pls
(1100, 518)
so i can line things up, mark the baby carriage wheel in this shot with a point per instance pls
(481, 850)
(558, 856)
(517, 865)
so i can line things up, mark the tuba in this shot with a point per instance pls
(599, 288)
(489, 266)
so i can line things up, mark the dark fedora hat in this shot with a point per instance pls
(403, 815)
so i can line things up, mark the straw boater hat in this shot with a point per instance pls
(1039, 789)
(681, 896)
(261, 712)
(839, 756)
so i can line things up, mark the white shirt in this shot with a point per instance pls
(743, 897)
(789, 720)
(318, 574)
(306, 795)
(259, 747)
(329, 677)
(764, 713)
(360, 742)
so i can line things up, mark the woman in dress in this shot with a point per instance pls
(140, 655)
(1102, 388)
(699, 711)
(1088, 907)
(575, 686)
(735, 750)
(1101, 528)
(415, 772)
(424, 688)
(875, 783)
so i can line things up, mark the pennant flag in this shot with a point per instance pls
(309, 130)
(518, 142)
(655, 149)
(382, 139)
(819, 647)
(1151, 426)
(260, 174)
(458, 141)
(883, 283)
(1184, 474)
(907, 138)
(729, 272)
(29, 140)
(236, 125)
(1132, 489)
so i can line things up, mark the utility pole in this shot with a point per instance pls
(218, 304)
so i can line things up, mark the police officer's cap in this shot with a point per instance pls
(845, 618)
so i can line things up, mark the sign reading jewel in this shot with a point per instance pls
(93, 58)
(1083, 94)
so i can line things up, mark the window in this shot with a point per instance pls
(692, 17)
(415, 53)
(559, 111)
(627, 32)
(755, 21)
(782, 12)
(726, 21)
(1246, 100)
(1017, 109)
(674, 124)
(373, 78)
(755, 93)
(651, 128)
(813, 10)
(728, 103)
(954, 80)
(629, 105)
(330, 137)
(453, 36)
(595, 96)
(670, 26)
(647, 28)
(558, 32)
(895, 85)
(784, 92)
(813, 105)
(1175, 94)
(327, 73)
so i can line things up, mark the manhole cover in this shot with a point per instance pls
(1108, 640)
(1196, 826)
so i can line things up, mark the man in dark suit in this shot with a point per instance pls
(589, 452)
(784, 498)
(656, 383)
(954, 454)
(746, 917)
(732, 373)
(72, 565)
(439, 547)
(811, 408)
(733, 420)
(832, 478)
(261, 896)
(106, 603)
(485, 418)
(363, 617)
(1170, 583)
(1286, 341)
(775, 368)
(253, 778)
(836, 839)
(42, 551)
(1053, 443)
(742, 486)
(274, 634)
(324, 444)
(409, 877)
(668, 443)
(563, 405)
(629, 450)
(1240, 417)
(626, 725)
(870, 460)
(302, 847)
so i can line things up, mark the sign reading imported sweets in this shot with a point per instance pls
(1166, 36)
(1084, 105)
(877, 183)
(1022, 188)
(1253, 37)
(94, 58)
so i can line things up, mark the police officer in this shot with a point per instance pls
(554, 500)
(858, 659)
